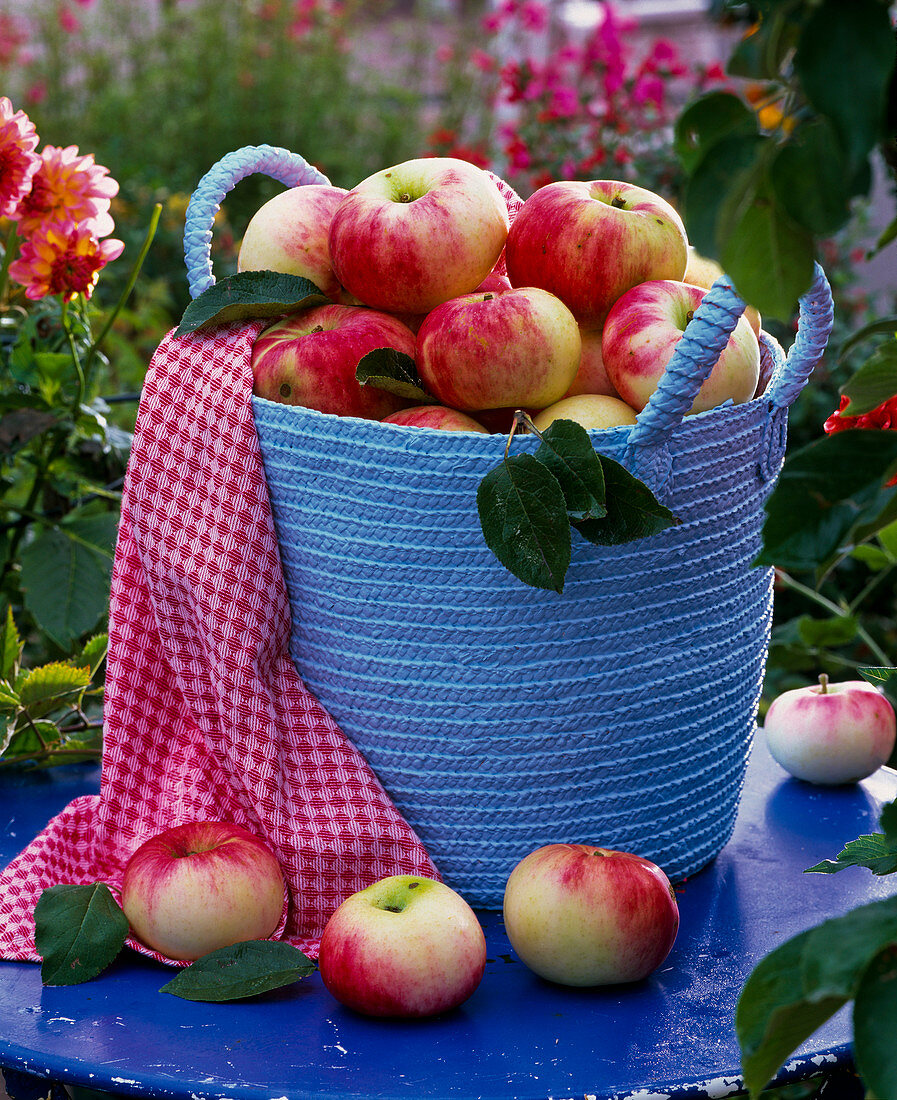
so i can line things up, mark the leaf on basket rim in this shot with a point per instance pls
(394, 371)
(566, 450)
(247, 295)
(633, 511)
(242, 970)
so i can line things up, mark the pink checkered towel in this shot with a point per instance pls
(205, 714)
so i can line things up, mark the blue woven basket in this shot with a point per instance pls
(499, 717)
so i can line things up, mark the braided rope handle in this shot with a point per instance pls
(287, 168)
(704, 340)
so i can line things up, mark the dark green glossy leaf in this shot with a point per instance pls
(872, 850)
(874, 382)
(835, 631)
(246, 295)
(880, 676)
(875, 1024)
(728, 164)
(241, 970)
(844, 60)
(708, 120)
(811, 179)
(567, 451)
(633, 511)
(828, 494)
(78, 932)
(394, 371)
(524, 519)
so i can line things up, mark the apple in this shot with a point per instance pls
(310, 357)
(412, 236)
(289, 234)
(588, 243)
(591, 376)
(200, 886)
(591, 410)
(435, 416)
(580, 915)
(642, 331)
(404, 947)
(831, 733)
(485, 351)
(703, 272)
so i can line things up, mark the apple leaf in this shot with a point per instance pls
(393, 371)
(874, 382)
(876, 851)
(523, 514)
(633, 511)
(242, 970)
(875, 1024)
(831, 632)
(796, 987)
(567, 452)
(809, 181)
(249, 294)
(710, 119)
(879, 676)
(79, 930)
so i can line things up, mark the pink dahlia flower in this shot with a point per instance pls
(18, 160)
(62, 259)
(69, 189)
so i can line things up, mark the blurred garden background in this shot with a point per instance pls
(536, 90)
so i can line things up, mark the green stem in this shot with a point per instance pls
(76, 358)
(129, 286)
(836, 609)
(10, 252)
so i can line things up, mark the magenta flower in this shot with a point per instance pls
(62, 259)
(18, 161)
(69, 189)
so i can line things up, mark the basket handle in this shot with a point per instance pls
(287, 168)
(702, 343)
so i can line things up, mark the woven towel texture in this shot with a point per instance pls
(205, 715)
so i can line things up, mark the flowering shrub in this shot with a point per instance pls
(60, 461)
(583, 111)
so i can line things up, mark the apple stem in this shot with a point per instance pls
(823, 683)
(521, 419)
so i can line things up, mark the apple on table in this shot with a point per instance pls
(641, 333)
(412, 236)
(200, 886)
(309, 358)
(581, 915)
(405, 946)
(589, 242)
(831, 733)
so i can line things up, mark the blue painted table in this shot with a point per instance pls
(517, 1037)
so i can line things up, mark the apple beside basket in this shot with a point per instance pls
(500, 718)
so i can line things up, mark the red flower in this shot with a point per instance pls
(882, 418)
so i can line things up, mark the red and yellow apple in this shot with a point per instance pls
(591, 410)
(704, 272)
(642, 331)
(435, 416)
(412, 236)
(200, 886)
(580, 915)
(289, 234)
(591, 376)
(403, 947)
(831, 733)
(588, 243)
(310, 358)
(516, 348)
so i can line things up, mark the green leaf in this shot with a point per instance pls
(43, 687)
(811, 180)
(17, 428)
(10, 647)
(887, 235)
(872, 850)
(567, 451)
(633, 511)
(879, 676)
(874, 382)
(708, 120)
(832, 632)
(242, 970)
(31, 739)
(844, 60)
(773, 1016)
(249, 294)
(9, 698)
(393, 371)
(65, 574)
(769, 258)
(94, 653)
(873, 328)
(875, 1024)
(523, 515)
(725, 168)
(826, 494)
(79, 930)
(873, 557)
(887, 536)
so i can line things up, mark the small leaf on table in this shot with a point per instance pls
(242, 970)
(523, 514)
(79, 929)
(249, 294)
(393, 371)
(633, 511)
